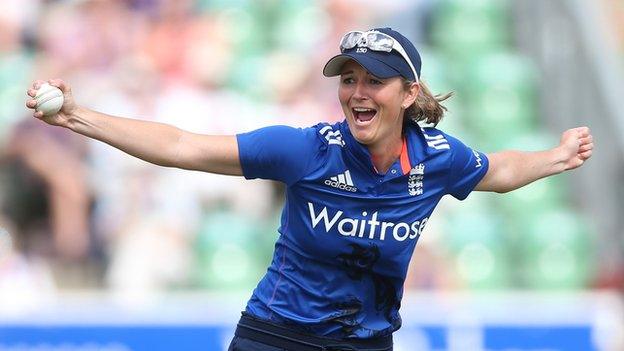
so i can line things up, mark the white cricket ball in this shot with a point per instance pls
(49, 99)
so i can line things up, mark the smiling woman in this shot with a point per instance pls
(374, 109)
(359, 192)
(380, 90)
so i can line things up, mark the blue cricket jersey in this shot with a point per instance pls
(347, 232)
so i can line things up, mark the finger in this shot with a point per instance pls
(31, 103)
(585, 155)
(59, 83)
(31, 92)
(37, 84)
(586, 140)
(586, 147)
(38, 114)
(582, 131)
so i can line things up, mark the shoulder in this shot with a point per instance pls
(319, 134)
(282, 136)
(281, 152)
(329, 134)
(434, 144)
(429, 141)
(457, 153)
(437, 140)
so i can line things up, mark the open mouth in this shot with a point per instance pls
(363, 115)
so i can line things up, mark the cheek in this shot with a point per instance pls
(343, 95)
(391, 102)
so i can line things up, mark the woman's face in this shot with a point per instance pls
(372, 105)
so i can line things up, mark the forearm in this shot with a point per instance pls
(515, 169)
(150, 141)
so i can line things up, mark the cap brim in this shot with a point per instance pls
(378, 68)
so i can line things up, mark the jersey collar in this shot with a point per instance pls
(361, 154)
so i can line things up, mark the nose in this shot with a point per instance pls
(360, 91)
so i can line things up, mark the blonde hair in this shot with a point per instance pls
(427, 106)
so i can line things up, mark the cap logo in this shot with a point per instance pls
(361, 50)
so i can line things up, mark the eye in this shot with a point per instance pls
(375, 81)
(347, 80)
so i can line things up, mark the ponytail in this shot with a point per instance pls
(427, 106)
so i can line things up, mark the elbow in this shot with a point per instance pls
(509, 187)
(502, 182)
(504, 186)
(504, 190)
(507, 179)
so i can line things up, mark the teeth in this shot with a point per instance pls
(361, 109)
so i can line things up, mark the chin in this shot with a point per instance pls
(362, 134)
(362, 137)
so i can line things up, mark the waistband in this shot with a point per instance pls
(282, 337)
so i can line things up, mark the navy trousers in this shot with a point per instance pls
(253, 334)
(242, 344)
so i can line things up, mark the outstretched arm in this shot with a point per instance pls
(153, 142)
(510, 170)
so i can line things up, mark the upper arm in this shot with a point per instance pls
(495, 173)
(208, 153)
(279, 152)
(467, 168)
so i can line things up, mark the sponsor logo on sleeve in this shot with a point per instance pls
(477, 158)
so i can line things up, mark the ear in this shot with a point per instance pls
(411, 95)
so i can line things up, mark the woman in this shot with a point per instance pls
(359, 192)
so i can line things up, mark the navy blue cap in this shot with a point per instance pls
(379, 63)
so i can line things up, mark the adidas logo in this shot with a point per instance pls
(436, 141)
(342, 181)
(332, 137)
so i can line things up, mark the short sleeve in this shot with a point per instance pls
(279, 153)
(467, 168)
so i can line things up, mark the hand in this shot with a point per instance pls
(576, 145)
(69, 106)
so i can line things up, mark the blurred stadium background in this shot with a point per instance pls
(100, 251)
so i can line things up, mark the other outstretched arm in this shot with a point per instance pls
(510, 170)
(153, 142)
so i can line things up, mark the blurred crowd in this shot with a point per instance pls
(81, 214)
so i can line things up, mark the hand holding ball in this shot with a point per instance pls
(49, 99)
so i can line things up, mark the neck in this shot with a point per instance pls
(384, 155)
